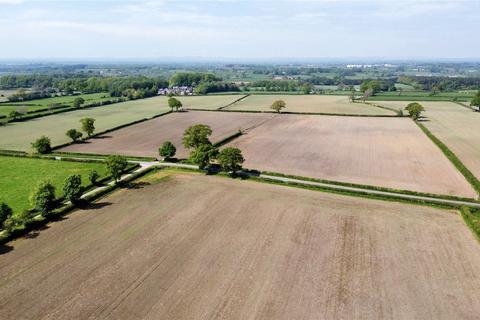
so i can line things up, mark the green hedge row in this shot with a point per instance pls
(453, 158)
(232, 103)
(370, 187)
(472, 219)
(304, 113)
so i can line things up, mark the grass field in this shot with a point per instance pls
(20, 175)
(422, 96)
(309, 103)
(38, 104)
(203, 247)
(385, 152)
(211, 102)
(19, 135)
(457, 127)
(145, 138)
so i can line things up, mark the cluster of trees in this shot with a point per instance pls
(43, 199)
(282, 85)
(197, 138)
(476, 101)
(441, 84)
(414, 110)
(24, 95)
(376, 86)
(192, 79)
(219, 86)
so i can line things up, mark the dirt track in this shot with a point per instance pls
(386, 152)
(145, 138)
(257, 251)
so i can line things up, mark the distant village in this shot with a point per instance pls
(176, 91)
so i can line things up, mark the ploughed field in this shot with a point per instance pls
(145, 138)
(386, 152)
(309, 103)
(20, 135)
(456, 126)
(203, 247)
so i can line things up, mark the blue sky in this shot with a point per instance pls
(239, 29)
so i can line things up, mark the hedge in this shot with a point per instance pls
(453, 158)
(231, 103)
(472, 220)
(370, 187)
(305, 113)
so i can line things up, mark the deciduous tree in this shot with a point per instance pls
(43, 197)
(278, 105)
(42, 145)
(196, 135)
(167, 150)
(115, 166)
(72, 189)
(88, 125)
(231, 159)
(74, 134)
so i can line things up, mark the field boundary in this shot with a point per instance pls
(472, 220)
(397, 111)
(232, 103)
(110, 130)
(474, 182)
(305, 113)
(66, 207)
(465, 105)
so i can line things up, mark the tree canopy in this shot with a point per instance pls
(196, 135)
(231, 159)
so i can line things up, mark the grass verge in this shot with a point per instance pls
(472, 220)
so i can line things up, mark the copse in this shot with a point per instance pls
(72, 189)
(42, 145)
(231, 159)
(203, 154)
(278, 105)
(77, 102)
(115, 166)
(196, 135)
(43, 198)
(174, 103)
(14, 114)
(88, 125)
(74, 134)
(414, 110)
(476, 101)
(167, 150)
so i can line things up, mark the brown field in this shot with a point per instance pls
(387, 152)
(309, 103)
(457, 127)
(143, 139)
(146, 253)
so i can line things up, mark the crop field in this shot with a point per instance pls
(203, 247)
(38, 104)
(309, 103)
(145, 138)
(19, 135)
(458, 128)
(212, 102)
(20, 175)
(386, 152)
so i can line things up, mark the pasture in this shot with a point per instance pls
(40, 104)
(212, 102)
(20, 175)
(5, 93)
(19, 135)
(203, 247)
(309, 103)
(145, 138)
(385, 152)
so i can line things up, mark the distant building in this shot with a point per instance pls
(177, 91)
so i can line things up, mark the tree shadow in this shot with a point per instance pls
(5, 248)
(102, 137)
(96, 205)
(136, 185)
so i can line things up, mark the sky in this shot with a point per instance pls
(239, 29)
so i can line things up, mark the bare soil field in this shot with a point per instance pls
(457, 127)
(309, 103)
(147, 253)
(386, 152)
(145, 138)
(208, 102)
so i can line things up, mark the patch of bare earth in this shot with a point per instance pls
(202, 247)
(386, 152)
(145, 138)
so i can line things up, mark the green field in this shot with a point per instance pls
(422, 96)
(38, 104)
(19, 135)
(20, 175)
